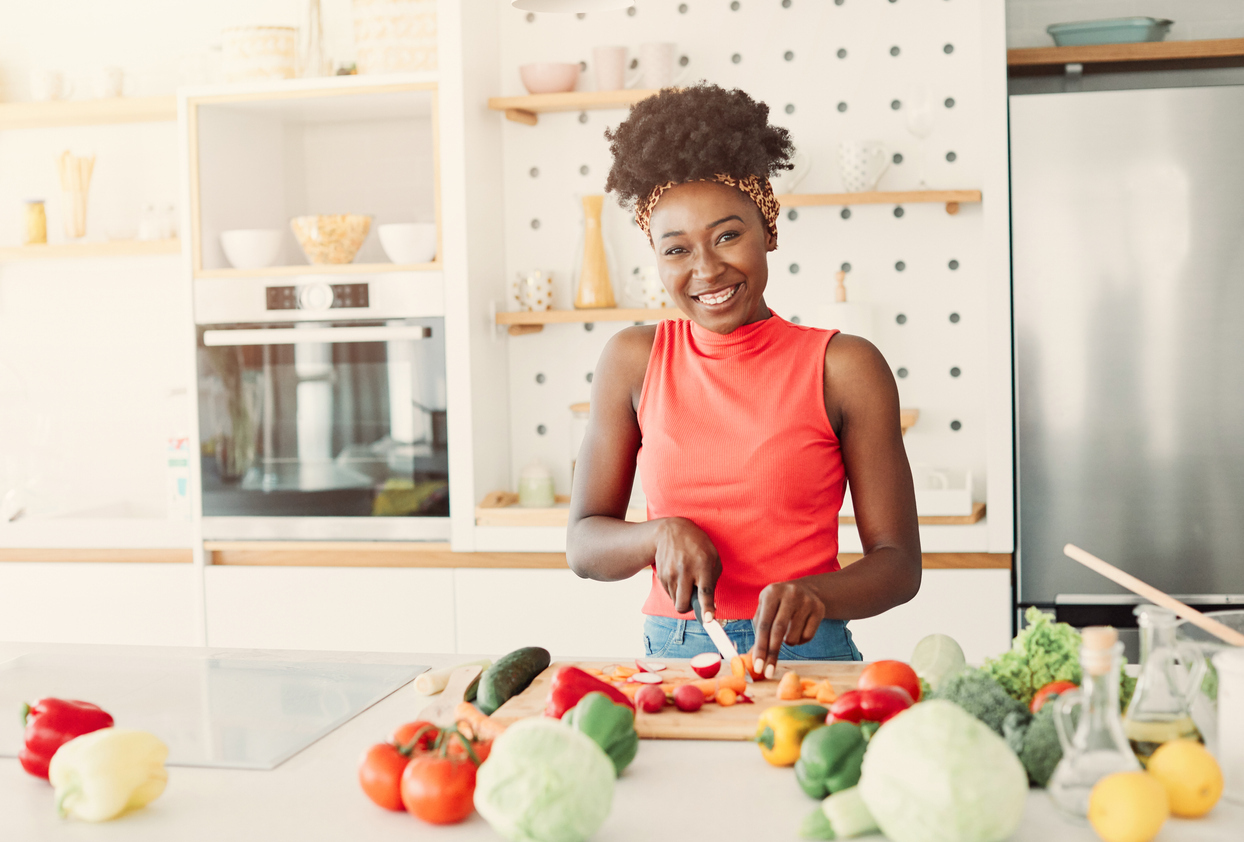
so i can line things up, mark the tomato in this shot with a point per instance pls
(1054, 688)
(405, 733)
(380, 775)
(439, 790)
(482, 749)
(891, 674)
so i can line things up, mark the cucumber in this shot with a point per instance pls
(510, 676)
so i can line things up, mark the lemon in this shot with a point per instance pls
(936, 658)
(1191, 777)
(1128, 807)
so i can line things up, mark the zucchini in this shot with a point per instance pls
(510, 676)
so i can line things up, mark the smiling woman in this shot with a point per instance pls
(745, 427)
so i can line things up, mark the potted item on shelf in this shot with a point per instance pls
(594, 289)
(549, 77)
(408, 242)
(312, 58)
(331, 238)
(395, 36)
(36, 223)
(535, 487)
(1132, 30)
(259, 52)
(251, 248)
(75, 181)
(531, 291)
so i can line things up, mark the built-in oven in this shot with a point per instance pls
(322, 410)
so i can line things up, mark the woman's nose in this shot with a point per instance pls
(706, 265)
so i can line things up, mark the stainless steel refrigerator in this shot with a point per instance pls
(1128, 272)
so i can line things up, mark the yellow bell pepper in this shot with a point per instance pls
(782, 728)
(105, 773)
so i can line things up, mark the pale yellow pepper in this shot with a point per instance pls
(105, 773)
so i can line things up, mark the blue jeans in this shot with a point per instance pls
(665, 637)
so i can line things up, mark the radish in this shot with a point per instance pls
(648, 666)
(645, 678)
(688, 697)
(706, 664)
(650, 699)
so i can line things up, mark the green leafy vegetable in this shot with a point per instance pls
(979, 694)
(935, 774)
(1036, 743)
(545, 782)
(848, 815)
(1042, 652)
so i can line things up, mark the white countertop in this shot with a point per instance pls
(315, 794)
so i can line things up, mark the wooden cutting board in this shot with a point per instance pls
(711, 722)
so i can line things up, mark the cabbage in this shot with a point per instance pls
(935, 773)
(545, 782)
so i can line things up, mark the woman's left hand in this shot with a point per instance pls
(790, 611)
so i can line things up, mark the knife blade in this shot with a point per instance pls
(717, 634)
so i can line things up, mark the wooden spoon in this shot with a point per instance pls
(1157, 597)
(441, 712)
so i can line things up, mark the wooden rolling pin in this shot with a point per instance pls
(1157, 597)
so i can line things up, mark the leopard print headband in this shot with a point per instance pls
(758, 189)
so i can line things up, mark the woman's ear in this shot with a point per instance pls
(770, 240)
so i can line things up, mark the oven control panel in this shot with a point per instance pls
(317, 297)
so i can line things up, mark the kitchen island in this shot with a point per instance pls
(672, 788)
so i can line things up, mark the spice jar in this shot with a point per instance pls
(36, 223)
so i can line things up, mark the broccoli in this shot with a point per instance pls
(1035, 741)
(977, 692)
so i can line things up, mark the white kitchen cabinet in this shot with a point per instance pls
(66, 602)
(501, 610)
(330, 608)
(972, 606)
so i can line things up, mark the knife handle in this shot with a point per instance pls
(695, 605)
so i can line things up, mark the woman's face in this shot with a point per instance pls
(711, 244)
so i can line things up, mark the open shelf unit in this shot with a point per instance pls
(1222, 48)
(951, 198)
(107, 248)
(525, 109)
(320, 269)
(90, 112)
(534, 322)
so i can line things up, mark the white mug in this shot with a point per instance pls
(609, 66)
(531, 291)
(654, 292)
(785, 181)
(109, 82)
(862, 162)
(48, 85)
(658, 64)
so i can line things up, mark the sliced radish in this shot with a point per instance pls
(706, 664)
(645, 678)
(648, 666)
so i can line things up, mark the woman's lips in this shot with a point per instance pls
(717, 297)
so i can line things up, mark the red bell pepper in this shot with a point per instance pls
(50, 723)
(570, 684)
(876, 704)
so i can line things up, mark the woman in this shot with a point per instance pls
(744, 427)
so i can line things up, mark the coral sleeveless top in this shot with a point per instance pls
(734, 437)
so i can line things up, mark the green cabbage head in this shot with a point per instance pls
(935, 773)
(545, 782)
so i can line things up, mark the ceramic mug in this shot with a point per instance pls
(532, 291)
(654, 293)
(609, 67)
(47, 85)
(658, 65)
(862, 162)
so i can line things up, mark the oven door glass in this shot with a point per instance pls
(324, 419)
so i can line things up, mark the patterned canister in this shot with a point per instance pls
(395, 36)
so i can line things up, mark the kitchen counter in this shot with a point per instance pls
(676, 786)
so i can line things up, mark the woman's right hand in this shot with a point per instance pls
(686, 559)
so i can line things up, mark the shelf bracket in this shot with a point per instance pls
(519, 330)
(952, 208)
(518, 115)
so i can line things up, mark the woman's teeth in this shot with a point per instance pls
(718, 298)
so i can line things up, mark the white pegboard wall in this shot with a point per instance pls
(829, 71)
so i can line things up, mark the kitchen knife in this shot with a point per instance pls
(442, 711)
(717, 634)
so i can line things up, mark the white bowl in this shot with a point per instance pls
(251, 248)
(549, 77)
(409, 242)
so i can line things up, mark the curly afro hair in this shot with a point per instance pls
(686, 134)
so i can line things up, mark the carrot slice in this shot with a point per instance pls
(737, 667)
(630, 689)
(789, 687)
(810, 692)
(825, 693)
(726, 697)
(624, 672)
(737, 683)
(808, 682)
(593, 671)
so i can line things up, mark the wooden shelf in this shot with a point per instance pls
(907, 419)
(79, 555)
(1148, 51)
(978, 512)
(320, 269)
(107, 248)
(951, 198)
(534, 322)
(90, 112)
(524, 109)
(369, 554)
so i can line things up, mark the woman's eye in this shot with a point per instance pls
(728, 235)
(675, 250)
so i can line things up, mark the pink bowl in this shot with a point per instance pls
(549, 77)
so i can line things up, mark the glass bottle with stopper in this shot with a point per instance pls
(1170, 676)
(1094, 746)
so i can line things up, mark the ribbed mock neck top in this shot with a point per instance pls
(734, 437)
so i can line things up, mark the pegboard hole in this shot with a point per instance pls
(790, 108)
(789, 55)
(583, 67)
(631, 12)
(898, 213)
(794, 268)
(682, 8)
(901, 318)
(539, 378)
(589, 326)
(792, 214)
(846, 267)
(842, 53)
(795, 320)
(950, 102)
(583, 170)
(894, 51)
(734, 6)
(902, 373)
(736, 58)
(898, 158)
(534, 172)
(845, 213)
(535, 224)
(582, 116)
(954, 318)
(589, 377)
(955, 372)
(951, 156)
(954, 264)
(896, 104)
(581, 15)
(900, 266)
(956, 425)
(531, 17)
(948, 49)
(541, 430)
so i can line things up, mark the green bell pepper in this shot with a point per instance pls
(830, 759)
(611, 726)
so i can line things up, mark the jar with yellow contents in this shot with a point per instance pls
(36, 223)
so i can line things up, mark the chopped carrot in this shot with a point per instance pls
(825, 693)
(624, 672)
(630, 689)
(789, 687)
(809, 692)
(707, 686)
(726, 697)
(737, 683)
(808, 682)
(593, 671)
(737, 667)
(481, 726)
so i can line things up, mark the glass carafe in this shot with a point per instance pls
(1094, 746)
(1170, 675)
